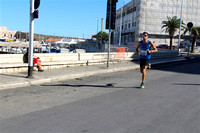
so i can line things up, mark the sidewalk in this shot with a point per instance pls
(14, 80)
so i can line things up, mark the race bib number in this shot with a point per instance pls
(143, 52)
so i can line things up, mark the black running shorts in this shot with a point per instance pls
(144, 62)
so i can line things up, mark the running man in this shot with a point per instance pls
(145, 54)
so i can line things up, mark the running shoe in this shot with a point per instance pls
(142, 85)
(149, 66)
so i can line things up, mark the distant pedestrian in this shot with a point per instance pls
(144, 51)
(25, 57)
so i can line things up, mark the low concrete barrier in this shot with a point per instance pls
(14, 62)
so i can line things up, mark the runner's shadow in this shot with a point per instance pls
(108, 85)
(137, 87)
(111, 85)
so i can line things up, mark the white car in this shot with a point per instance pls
(79, 51)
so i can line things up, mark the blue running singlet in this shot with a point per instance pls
(143, 50)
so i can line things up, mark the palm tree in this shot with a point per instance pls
(195, 32)
(171, 26)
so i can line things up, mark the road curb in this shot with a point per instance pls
(14, 85)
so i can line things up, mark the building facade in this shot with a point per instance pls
(4, 33)
(21, 35)
(138, 16)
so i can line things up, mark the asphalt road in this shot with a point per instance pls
(108, 103)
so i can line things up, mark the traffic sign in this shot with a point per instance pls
(190, 25)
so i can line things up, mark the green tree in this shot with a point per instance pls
(104, 36)
(171, 26)
(195, 32)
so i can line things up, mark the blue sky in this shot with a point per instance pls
(72, 18)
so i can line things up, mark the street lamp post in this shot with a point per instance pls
(120, 25)
(101, 34)
(179, 37)
(97, 31)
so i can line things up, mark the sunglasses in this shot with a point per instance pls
(144, 35)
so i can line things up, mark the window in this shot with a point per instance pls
(118, 16)
(133, 24)
(125, 26)
(123, 14)
(129, 10)
(134, 9)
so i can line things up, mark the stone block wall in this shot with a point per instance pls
(14, 62)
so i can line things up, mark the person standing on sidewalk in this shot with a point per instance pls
(143, 49)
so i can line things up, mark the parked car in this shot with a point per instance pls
(183, 44)
(54, 50)
(65, 50)
(79, 51)
(162, 46)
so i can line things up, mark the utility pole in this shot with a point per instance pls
(101, 34)
(31, 36)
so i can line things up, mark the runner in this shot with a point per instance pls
(145, 54)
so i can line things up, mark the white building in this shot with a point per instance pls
(147, 15)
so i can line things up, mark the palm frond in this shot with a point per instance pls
(172, 25)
